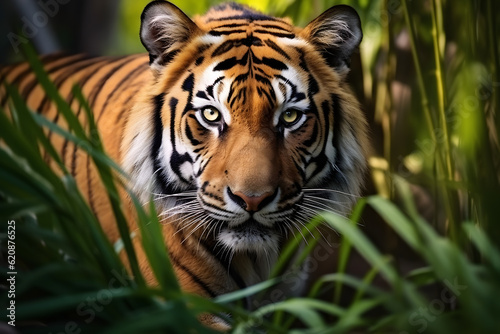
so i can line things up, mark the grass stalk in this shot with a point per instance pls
(495, 61)
(345, 250)
(443, 172)
(418, 71)
(384, 100)
(437, 36)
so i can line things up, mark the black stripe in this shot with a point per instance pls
(202, 169)
(226, 32)
(176, 159)
(301, 172)
(337, 124)
(188, 84)
(276, 48)
(63, 77)
(320, 162)
(223, 48)
(268, 96)
(247, 15)
(240, 78)
(250, 40)
(199, 61)
(231, 92)
(29, 88)
(210, 89)
(195, 278)
(70, 99)
(302, 62)
(229, 215)
(313, 137)
(202, 95)
(298, 97)
(295, 96)
(241, 96)
(189, 135)
(263, 80)
(126, 106)
(168, 57)
(230, 25)
(98, 88)
(276, 34)
(225, 263)
(108, 98)
(70, 61)
(157, 140)
(272, 26)
(313, 86)
(90, 191)
(141, 67)
(226, 64)
(274, 64)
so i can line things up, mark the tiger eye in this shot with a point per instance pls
(211, 114)
(290, 116)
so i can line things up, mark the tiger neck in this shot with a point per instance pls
(244, 268)
(253, 268)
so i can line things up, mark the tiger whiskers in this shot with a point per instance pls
(192, 193)
(294, 224)
(199, 225)
(186, 207)
(318, 206)
(225, 251)
(307, 217)
(322, 190)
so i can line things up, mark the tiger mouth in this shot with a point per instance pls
(251, 226)
(249, 236)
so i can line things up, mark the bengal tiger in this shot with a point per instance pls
(239, 125)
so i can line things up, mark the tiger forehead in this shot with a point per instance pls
(231, 15)
(234, 19)
(249, 69)
(251, 52)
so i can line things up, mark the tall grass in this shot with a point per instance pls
(70, 278)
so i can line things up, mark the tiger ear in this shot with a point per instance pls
(164, 30)
(336, 34)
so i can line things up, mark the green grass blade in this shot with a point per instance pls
(155, 248)
(304, 309)
(489, 252)
(345, 249)
(363, 245)
(396, 219)
(246, 292)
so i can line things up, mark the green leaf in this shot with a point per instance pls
(363, 245)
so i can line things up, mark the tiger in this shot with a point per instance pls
(238, 125)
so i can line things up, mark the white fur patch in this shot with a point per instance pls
(249, 240)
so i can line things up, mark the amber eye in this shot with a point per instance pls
(211, 115)
(290, 116)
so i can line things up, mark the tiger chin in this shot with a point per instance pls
(240, 126)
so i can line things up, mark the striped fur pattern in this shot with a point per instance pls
(241, 130)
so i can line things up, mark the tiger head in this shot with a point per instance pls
(248, 128)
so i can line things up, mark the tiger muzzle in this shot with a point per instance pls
(252, 203)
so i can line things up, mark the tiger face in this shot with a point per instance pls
(252, 125)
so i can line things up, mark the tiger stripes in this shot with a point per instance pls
(239, 125)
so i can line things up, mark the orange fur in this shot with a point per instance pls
(255, 154)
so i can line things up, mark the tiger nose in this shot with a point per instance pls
(251, 203)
